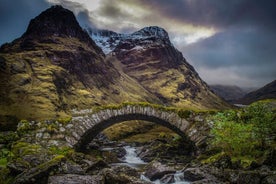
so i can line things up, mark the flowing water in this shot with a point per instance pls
(133, 160)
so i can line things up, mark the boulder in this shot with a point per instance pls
(156, 170)
(193, 174)
(97, 166)
(168, 178)
(75, 179)
(116, 175)
(39, 173)
(71, 168)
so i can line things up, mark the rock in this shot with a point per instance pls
(193, 174)
(97, 166)
(112, 177)
(71, 168)
(271, 179)
(246, 176)
(75, 179)
(156, 171)
(39, 173)
(121, 152)
(18, 166)
(168, 178)
(249, 177)
(223, 162)
(126, 170)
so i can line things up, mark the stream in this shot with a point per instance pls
(131, 159)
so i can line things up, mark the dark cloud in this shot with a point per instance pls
(242, 52)
(15, 17)
(248, 52)
(218, 13)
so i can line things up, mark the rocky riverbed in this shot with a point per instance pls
(158, 161)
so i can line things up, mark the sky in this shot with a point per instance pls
(228, 42)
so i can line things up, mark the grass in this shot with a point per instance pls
(3, 162)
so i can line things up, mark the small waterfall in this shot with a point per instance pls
(179, 178)
(133, 160)
(131, 156)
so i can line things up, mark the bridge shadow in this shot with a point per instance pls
(92, 132)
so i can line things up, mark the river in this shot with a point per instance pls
(132, 160)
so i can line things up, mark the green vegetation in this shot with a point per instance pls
(246, 135)
(182, 112)
(64, 150)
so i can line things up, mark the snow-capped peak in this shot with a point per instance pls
(154, 31)
(109, 40)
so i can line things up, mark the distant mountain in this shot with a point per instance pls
(229, 93)
(266, 92)
(149, 57)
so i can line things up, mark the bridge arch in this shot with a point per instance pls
(85, 128)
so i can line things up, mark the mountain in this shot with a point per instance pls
(55, 67)
(266, 92)
(150, 58)
(229, 93)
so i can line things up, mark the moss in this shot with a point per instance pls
(61, 150)
(244, 161)
(3, 162)
(65, 120)
(20, 149)
(25, 127)
(184, 113)
(213, 158)
(8, 137)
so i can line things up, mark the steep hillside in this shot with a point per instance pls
(55, 67)
(266, 92)
(229, 93)
(149, 57)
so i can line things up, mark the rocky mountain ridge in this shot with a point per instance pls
(56, 67)
(149, 57)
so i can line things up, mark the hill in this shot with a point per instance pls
(266, 92)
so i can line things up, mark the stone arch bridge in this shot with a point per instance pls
(83, 128)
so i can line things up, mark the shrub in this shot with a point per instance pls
(245, 134)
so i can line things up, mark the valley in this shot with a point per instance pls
(95, 106)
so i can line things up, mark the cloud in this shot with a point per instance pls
(247, 53)
(15, 17)
(229, 42)
(218, 13)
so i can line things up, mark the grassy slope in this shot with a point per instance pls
(35, 85)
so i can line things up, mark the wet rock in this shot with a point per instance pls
(121, 152)
(75, 179)
(168, 178)
(156, 171)
(193, 174)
